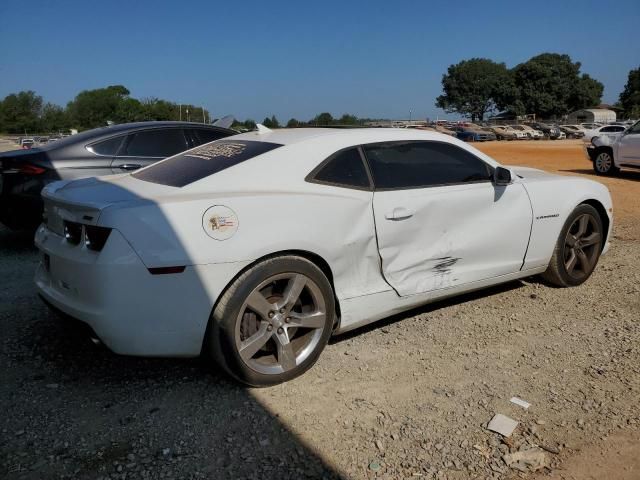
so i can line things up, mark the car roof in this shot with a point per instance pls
(100, 133)
(355, 136)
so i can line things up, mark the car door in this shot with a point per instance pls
(629, 146)
(144, 147)
(611, 132)
(440, 221)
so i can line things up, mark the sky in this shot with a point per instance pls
(377, 59)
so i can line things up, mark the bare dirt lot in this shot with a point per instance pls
(408, 397)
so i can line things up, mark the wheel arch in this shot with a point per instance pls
(603, 148)
(314, 258)
(604, 217)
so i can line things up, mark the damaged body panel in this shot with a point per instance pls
(454, 235)
(359, 224)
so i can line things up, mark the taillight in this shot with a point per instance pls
(72, 232)
(95, 237)
(28, 169)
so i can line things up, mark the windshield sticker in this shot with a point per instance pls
(203, 161)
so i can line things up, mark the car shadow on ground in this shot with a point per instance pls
(179, 416)
(18, 241)
(623, 174)
(74, 410)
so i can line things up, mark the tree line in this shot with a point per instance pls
(26, 111)
(324, 119)
(549, 85)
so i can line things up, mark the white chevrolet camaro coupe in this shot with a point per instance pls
(257, 248)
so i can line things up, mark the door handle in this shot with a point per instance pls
(399, 213)
(129, 166)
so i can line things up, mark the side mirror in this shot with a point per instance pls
(502, 176)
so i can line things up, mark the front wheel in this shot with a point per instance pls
(578, 248)
(603, 163)
(273, 322)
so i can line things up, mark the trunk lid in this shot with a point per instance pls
(82, 201)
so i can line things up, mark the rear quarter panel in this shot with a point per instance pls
(334, 223)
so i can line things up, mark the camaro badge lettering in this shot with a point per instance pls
(542, 217)
(220, 222)
(211, 151)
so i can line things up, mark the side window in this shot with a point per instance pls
(203, 135)
(155, 143)
(107, 147)
(344, 168)
(423, 164)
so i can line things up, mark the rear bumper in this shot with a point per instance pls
(132, 311)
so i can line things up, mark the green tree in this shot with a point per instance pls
(129, 110)
(53, 118)
(271, 122)
(630, 96)
(550, 85)
(475, 87)
(20, 112)
(156, 109)
(324, 119)
(93, 108)
(347, 119)
(293, 123)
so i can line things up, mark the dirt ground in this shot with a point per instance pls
(407, 397)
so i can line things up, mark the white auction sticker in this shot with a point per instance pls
(220, 222)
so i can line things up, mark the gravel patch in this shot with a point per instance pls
(408, 397)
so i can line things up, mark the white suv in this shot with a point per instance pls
(611, 131)
(608, 154)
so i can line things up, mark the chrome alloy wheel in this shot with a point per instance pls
(280, 323)
(582, 246)
(603, 162)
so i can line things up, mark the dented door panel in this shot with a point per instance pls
(455, 234)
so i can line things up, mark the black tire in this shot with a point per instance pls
(233, 311)
(587, 244)
(603, 163)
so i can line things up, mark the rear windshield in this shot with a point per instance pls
(202, 161)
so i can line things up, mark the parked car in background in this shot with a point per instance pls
(503, 133)
(531, 133)
(610, 152)
(550, 131)
(610, 131)
(474, 134)
(102, 151)
(183, 258)
(27, 143)
(571, 131)
(520, 135)
(591, 126)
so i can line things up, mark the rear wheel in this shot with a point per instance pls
(603, 163)
(578, 248)
(273, 322)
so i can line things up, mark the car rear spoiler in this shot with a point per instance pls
(224, 122)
